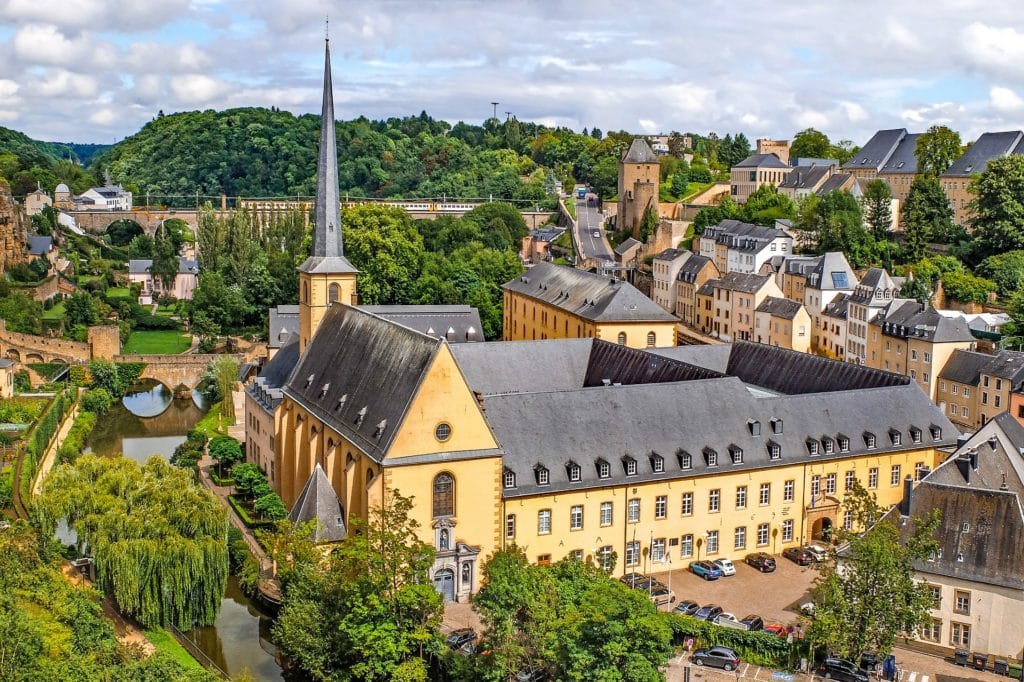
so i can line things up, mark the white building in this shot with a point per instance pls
(741, 247)
(106, 198)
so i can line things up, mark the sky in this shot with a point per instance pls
(98, 70)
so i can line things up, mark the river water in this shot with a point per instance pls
(149, 421)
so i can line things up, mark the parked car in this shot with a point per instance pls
(597, 234)
(717, 657)
(708, 613)
(661, 595)
(798, 555)
(844, 671)
(753, 622)
(687, 607)
(462, 639)
(777, 629)
(706, 570)
(807, 608)
(817, 551)
(728, 620)
(631, 579)
(870, 661)
(762, 561)
(726, 566)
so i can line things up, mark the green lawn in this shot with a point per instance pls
(213, 424)
(165, 642)
(85, 279)
(165, 311)
(157, 342)
(54, 313)
(118, 292)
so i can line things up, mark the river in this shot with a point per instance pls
(149, 421)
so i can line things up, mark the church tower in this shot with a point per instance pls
(326, 276)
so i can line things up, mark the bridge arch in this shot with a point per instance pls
(13, 354)
(33, 358)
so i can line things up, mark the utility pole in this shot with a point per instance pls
(495, 105)
(508, 115)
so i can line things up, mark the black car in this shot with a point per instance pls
(632, 579)
(798, 555)
(708, 613)
(762, 561)
(461, 638)
(844, 671)
(869, 661)
(687, 607)
(717, 657)
(753, 623)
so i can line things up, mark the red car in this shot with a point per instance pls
(776, 629)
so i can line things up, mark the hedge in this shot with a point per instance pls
(759, 648)
(74, 443)
(40, 436)
(244, 515)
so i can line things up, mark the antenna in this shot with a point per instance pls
(508, 114)
(495, 105)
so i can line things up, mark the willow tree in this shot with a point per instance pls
(159, 540)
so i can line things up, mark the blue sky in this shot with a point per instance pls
(97, 70)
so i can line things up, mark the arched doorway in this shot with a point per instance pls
(822, 529)
(444, 582)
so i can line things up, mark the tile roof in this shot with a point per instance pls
(588, 295)
(692, 267)
(877, 150)
(627, 245)
(746, 282)
(141, 266)
(762, 161)
(640, 152)
(318, 502)
(779, 307)
(986, 148)
(456, 323)
(904, 158)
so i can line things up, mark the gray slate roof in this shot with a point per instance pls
(877, 150)
(456, 323)
(904, 158)
(713, 356)
(284, 321)
(836, 181)
(523, 366)
(746, 282)
(318, 502)
(966, 367)
(640, 152)
(804, 177)
(40, 246)
(838, 307)
(692, 267)
(5, 363)
(672, 254)
(141, 266)
(627, 245)
(986, 148)
(762, 161)
(591, 296)
(779, 307)
(907, 318)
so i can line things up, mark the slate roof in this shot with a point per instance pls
(671, 254)
(793, 372)
(547, 233)
(591, 296)
(872, 287)
(692, 267)
(141, 266)
(40, 246)
(318, 502)
(5, 363)
(906, 317)
(627, 245)
(713, 356)
(800, 265)
(805, 177)
(284, 321)
(877, 150)
(456, 323)
(640, 152)
(904, 158)
(360, 372)
(986, 148)
(746, 282)
(327, 265)
(966, 367)
(523, 366)
(832, 273)
(836, 181)
(266, 388)
(779, 307)
(838, 307)
(762, 161)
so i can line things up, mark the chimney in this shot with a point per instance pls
(963, 463)
(908, 490)
(973, 456)
(961, 440)
(993, 442)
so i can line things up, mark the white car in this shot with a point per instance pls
(726, 618)
(819, 552)
(597, 234)
(728, 568)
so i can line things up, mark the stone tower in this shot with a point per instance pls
(326, 276)
(639, 178)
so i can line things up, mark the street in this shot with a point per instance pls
(589, 219)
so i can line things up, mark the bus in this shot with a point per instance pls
(581, 192)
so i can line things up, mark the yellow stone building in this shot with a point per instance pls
(558, 302)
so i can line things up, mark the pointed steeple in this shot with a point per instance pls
(328, 249)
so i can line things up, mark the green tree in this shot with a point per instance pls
(270, 507)
(80, 309)
(766, 205)
(21, 313)
(998, 220)
(370, 610)
(122, 232)
(967, 288)
(681, 179)
(1006, 270)
(388, 251)
(712, 215)
(878, 208)
(225, 451)
(247, 476)
(868, 597)
(839, 224)
(165, 257)
(937, 149)
(927, 216)
(648, 223)
(810, 143)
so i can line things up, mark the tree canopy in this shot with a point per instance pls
(999, 208)
(937, 148)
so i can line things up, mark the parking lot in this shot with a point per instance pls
(773, 596)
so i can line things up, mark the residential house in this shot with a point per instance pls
(832, 337)
(106, 198)
(830, 277)
(872, 157)
(559, 302)
(181, 288)
(42, 247)
(639, 184)
(742, 247)
(792, 276)
(975, 387)
(874, 291)
(730, 302)
(665, 268)
(627, 255)
(784, 323)
(975, 575)
(753, 172)
(283, 323)
(956, 181)
(696, 271)
(841, 182)
(6, 378)
(805, 180)
(37, 201)
(536, 246)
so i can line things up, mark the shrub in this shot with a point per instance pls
(188, 454)
(758, 648)
(247, 476)
(238, 551)
(97, 400)
(967, 288)
(154, 322)
(270, 507)
(79, 432)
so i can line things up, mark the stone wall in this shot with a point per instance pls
(104, 342)
(13, 230)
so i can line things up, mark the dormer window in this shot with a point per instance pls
(324, 389)
(869, 440)
(657, 463)
(736, 454)
(776, 426)
(604, 469)
(844, 443)
(755, 427)
(711, 457)
(830, 445)
(543, 475)
(629, 466)
(774, 450)
(508, 479)
(895, 437)
(915, 434)
(685, 459)
(812, 446)
(574, 471)
(936, 432)
(309, 380)
(341, 403)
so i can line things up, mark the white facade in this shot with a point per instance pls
(107, 198)
(751, 259)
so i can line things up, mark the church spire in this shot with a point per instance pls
(327, 240)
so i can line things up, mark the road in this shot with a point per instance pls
(588, 219)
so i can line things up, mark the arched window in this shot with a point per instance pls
(333, 292)
(650, 339)
(444, 495)
(622, 338)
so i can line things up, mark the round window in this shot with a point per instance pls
(443, 431)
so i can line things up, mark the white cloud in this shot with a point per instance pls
(647, 125)
(45, 44)
(8, 89)
(809, 118)
(855, 112)
(196, 88)
(999, 49)
(103, 117)
(1005, 99)
(111, 15)
(63, 83)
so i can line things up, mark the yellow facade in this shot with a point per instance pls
(317, 291)
(528, 319)
(784, 332)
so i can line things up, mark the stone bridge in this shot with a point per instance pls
(175, 370)
(97, 222)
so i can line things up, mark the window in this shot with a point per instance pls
(936, 432)
(967, 391)
(927, 356)
(714, 500)
(332, 293)
(915, 435)
(812, 446)
(788, 490)
(606, 513)
(575, 555)
(543, 475)
(605, 557)
(844, 444)
(919, 471)
(687, 504)
(543, 559)
(712, 542)
(544, 522)
(576, 517)
(873, 477)
(604, 470)
(685, 460)
(443, 431)
(509, 479)
(740, 538)
(848, 520)
(894, 475)
(651, 339)
(711, 456)
(629, 464)
(755, 427)
(444, 495)
(765, 494)
(658, 549)
(741, 497)
(633, 510)
(960, 635)
(932, 631)
(762, 534)
(774, 450)
(632, 553)
(574, 471)
(896, 437)
(816, 486)
(622, 338)
(657, 464)
(830, 445)
(686, 546)
(736, 454)
(510, 526)
(962, 602)
(869, 440)
(830, 484)
(660, 506)
(787, 530)
(776, 425)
